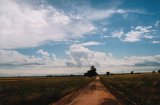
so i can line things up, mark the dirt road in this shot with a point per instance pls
(94, 94)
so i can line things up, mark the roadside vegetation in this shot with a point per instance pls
(38, 90)
(134, 89)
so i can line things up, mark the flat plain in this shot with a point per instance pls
(124, 89)
(135, 89)
(38, 90)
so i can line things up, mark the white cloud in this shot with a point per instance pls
(90, 43)
(98, 14)
(125, 16)
(78, 56)
(156, 42)
(14, 58)
(105, 36)
(133, 36)
(157, 24)
(50, 59)
(118, 34)
(104, 29)
(43, 53)
(82, 56)
(24, 25)
(94, 14)
(148, 36)
(136, 34)
(143, 61)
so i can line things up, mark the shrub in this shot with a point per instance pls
(153, 71)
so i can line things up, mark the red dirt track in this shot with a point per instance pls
(93, 94)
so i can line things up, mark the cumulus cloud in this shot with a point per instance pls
(82, 56)
(25, 25)
(14, 58)
(43, 53)
(78, 56)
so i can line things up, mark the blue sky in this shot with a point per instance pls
(117, 35)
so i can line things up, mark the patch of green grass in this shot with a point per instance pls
(135, 89)
(38, 90)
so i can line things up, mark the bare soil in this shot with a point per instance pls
(93, 94)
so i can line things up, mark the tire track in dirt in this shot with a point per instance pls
(93, 94)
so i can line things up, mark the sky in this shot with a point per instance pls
(41, 37)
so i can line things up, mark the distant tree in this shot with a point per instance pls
(107, 73)
(91, 72)
(153, 71)
(112, 74)
(159, 71)
(49, 76)
(132, 72)
(71, 75)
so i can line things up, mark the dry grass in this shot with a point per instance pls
(38, 90)
(135, 89)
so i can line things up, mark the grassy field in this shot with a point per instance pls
(38, 90)
(135, 89)
(130, 89)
